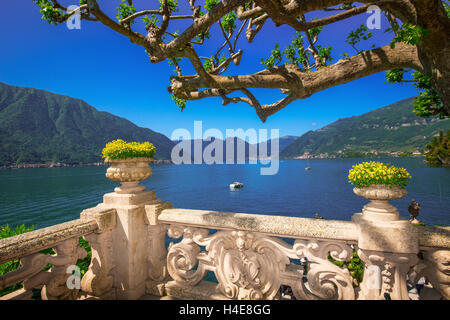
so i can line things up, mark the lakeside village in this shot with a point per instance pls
(58, 164)
(357, 154)
(306, 155)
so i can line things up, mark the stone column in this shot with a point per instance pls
(130, 242)
(388, 245)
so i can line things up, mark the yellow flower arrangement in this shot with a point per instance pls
(367, 173)
(119, 149)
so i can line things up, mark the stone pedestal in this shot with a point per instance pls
(130, 241)
(388, 245)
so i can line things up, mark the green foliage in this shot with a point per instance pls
(171, 4)
(119, 149)
(180, 102)
(446, 5)
(354, 265)
(83, 264)
(408, 33)
(6, 232)
(275, 57)
(125, 10)
(428, 102)
(200, 37)
(324, 54)
(150, 21)
(395, 75)
(356, 36)
(438, 151)
(208, 64)
(314, 32)
(209, 4)
(368, 173)
(227, 22)
(49, 12)
(294, 52)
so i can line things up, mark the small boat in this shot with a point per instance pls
(236, 185)
(308, 168)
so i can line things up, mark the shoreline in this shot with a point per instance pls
(61, 165)
(164, 161)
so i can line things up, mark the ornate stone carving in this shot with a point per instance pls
(98, 280)
(325, 280)
(379, 195)
(391, 268)
(435, 266)
(67, 254)
(129, 172)
(253, 266)
(31, 266)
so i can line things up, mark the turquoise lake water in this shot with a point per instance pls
(47, 196)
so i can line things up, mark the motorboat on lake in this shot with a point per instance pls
(236, 185)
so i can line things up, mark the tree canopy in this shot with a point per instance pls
(419, 43)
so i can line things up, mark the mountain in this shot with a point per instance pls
(394, 128)
(37, 126)
(283, 142)
(235, 145)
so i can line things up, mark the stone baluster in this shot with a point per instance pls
(62, 284)
(98, 281)
(157, 252)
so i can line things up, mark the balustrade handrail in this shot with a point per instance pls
(280, 226)
(31, 242)
(290, 227)
(438, 237)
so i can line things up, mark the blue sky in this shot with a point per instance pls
(110, 73)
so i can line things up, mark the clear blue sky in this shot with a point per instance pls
(110, 73)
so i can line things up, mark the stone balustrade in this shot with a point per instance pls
(142, 246)
(55, 283)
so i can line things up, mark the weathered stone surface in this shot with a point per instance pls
(268, 224)
(390, 236)
(129, 172)
(105, 218)
(115, 200)
(130, 241)
(204, 290)
(35, 241)
(438, 237)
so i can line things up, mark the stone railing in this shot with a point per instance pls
(251, 256)
(142, 246)
(249, 259)
(61, 281)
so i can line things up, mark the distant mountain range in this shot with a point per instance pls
(283, 142)
(37, 126)
(394, 128)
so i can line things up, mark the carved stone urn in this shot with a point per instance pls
(379, 195)
(129, 172)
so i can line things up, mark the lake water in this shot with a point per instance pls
(47, 196)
